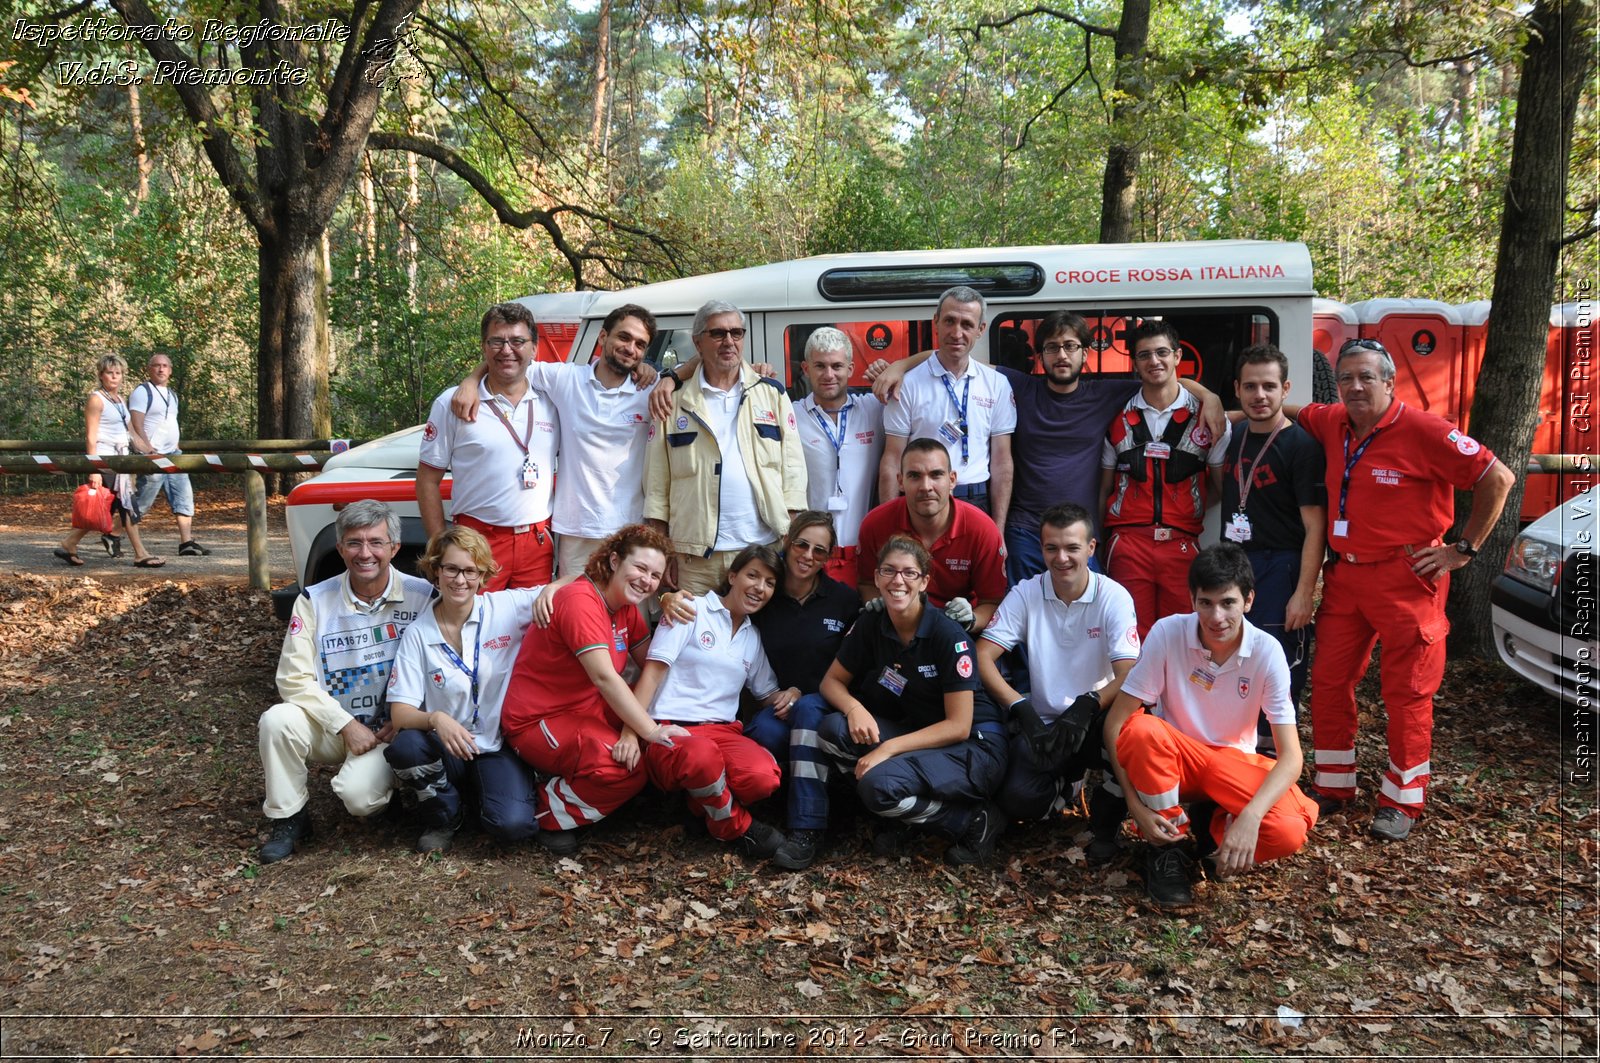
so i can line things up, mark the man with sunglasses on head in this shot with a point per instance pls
(1153, 483)
(502, 464)
(725, 465)
(1391, 472)
(333, 677)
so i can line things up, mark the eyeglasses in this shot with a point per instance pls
(720, 334)
(910, 575)
(803, 547)
(1362, 345)
(1154, 352)
(356, 545)
(1061, 348)
(499, 343)
(452, 572)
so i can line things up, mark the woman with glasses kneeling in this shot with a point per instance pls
(450, 677)
(567, 703)
(693, 677)
(911, 721)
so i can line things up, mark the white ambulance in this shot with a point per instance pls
(1222, 295)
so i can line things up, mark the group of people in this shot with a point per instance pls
(146, 422)
(953, 597)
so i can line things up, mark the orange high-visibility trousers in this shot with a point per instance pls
(1166, 767)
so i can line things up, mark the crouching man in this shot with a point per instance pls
(1207, 674)
(332, 677)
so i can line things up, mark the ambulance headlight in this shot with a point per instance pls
(1534, 562)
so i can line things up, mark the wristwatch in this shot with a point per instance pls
(1465, 548)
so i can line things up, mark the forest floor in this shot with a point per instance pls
(138, 923)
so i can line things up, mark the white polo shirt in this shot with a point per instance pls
(842, 456)
(484, 458)
(924, 408)
(160, 408)
(429, 675)
(1070, 645)
(739, 523)
(708, 664)
(1214, 704)
(603, 433)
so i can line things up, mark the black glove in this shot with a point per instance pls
(1072, 727)
(1025, 721)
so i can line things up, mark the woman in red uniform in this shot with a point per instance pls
(567, 702)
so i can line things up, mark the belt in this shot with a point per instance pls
(989, 728)
(845, 553)
(968, 490)
(1159, 532)
(517, 529)
(1375, 556)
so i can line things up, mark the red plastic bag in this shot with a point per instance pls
(91, 509)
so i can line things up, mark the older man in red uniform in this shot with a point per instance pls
(1391, 471)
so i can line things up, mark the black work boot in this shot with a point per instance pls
(1106, 813)
(1166, 876)
(286, 836)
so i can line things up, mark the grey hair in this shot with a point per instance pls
(364, 514)
(1351, 349)
(711, 310)
(828, 338)
(961, 293)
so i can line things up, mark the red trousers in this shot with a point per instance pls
(575, 748)
(526, 558)
(720, 770)
(1362, 605)
(1155, 571)
(1166, 767)
(842, 565)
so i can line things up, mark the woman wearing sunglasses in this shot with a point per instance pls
(910, 721)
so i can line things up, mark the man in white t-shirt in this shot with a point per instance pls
(964, 404)
(842, 437)
(1207, 674)
(153, 412)
(502, 464)
(603, 428)
(1080, 636)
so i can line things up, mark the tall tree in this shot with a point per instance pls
(1120, 186)
(1557, 58)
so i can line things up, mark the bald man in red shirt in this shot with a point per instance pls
(1391, 474)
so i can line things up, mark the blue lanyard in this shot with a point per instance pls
(844, 420)
(1350, 463)
(472, 674)
(960, 408)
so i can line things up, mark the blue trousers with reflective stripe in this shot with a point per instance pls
(933, 788)
(771, 733)
(504, 785)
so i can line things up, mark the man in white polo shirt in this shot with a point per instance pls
(842, 436)
(153, 411)
(966, 405)
(503, 463)
(1208, 674)
(603, 429)
(1080, 636)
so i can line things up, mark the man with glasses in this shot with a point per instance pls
(725, 465)
(967, 579)
(842, 437)
(502, 465)
(153, 412)
(603, 429)
(1275, 506)
(333, 677)
(964, 404)
(1391, 474)
(1153, 480)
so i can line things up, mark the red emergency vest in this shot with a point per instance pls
(1170, 490)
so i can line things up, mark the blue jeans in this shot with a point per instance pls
(1024, 557)
(1277, 573)
(179, 492)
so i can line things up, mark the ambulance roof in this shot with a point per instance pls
(1102, 273)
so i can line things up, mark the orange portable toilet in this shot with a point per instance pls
(1423, 336)
(1332, 324)
(1569, 402)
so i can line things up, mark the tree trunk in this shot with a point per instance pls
(292, 396)
(141, 158)
(1556, 62)
(602, 80)
(1120, 186)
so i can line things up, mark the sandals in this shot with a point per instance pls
(113, 545)
(68, 556)
(150, 562)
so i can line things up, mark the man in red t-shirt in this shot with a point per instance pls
(1391, 471)
(968, 578)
